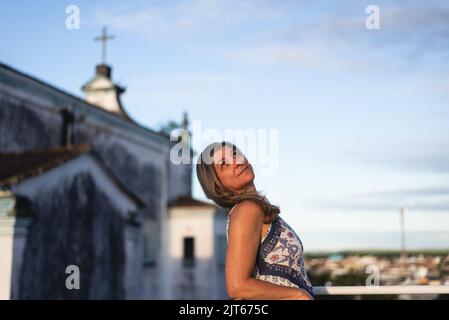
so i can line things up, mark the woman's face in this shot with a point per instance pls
(233, 169)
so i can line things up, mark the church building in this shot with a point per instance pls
(84, 187)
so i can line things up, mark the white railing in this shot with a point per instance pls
(364, 290)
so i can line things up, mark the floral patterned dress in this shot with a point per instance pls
(280, 257)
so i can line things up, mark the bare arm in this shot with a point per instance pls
(243, 242)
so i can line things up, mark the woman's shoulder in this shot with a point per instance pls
(247, 205)
(245, 219)
(247, 209)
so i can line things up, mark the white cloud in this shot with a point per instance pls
(230, 10)
(149, 21)
(193, 15)
(305, 56)
(313, 55)
(410, 38)
(423, 199)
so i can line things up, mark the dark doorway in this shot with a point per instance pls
(189, 251)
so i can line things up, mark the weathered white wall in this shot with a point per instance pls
(6, 250)
(220, 246)
(179, 180)
(197, 222)
(133, 264)
(205, 279)
(13, 235)
(190, 282)
(21, 229)
(52, 179)
(30, 119)
(105, 247)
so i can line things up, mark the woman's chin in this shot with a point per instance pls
(249, 177)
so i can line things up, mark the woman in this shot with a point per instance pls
(264, 256)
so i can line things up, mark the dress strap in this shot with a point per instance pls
(230, 211)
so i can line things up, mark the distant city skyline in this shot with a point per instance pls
(362, 114)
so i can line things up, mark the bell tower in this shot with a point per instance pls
(101, 90)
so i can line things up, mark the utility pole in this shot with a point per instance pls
(403, 252)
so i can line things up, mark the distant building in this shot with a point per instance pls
(83, 184)
(197, 238)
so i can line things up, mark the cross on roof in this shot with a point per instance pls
(104, 38)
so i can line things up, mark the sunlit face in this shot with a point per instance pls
(232, 168)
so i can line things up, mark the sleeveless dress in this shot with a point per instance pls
(280, 257)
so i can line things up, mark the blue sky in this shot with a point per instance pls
(362, 114)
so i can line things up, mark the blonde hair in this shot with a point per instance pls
(222, 196)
